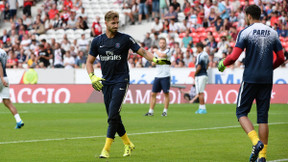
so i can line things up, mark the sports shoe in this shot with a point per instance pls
(255, 151)
(201, 111)
(262, 159)
(164, 114)
(128, 149)
(104, 154)
(19, 125)
(149, 114)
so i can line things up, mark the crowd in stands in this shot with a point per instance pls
(215, 23)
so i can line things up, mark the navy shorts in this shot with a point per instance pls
(250, 91)
(161, 84)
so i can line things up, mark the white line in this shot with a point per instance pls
(20, 112)
(278, 160)
(130, 134)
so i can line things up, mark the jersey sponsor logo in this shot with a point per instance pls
(117, 45)
(261, 33)
(110, 56)
(102, 46)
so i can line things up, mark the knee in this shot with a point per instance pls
(153, 94)
(6, 102)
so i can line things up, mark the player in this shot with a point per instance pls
(162, 79)
(259, 41)
(4, 90)
(201, 77)
(112, 49)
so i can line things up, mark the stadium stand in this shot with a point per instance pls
(215, 23)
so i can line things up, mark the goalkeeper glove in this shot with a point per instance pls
(221, 66)
(96, 84)
(161, 61)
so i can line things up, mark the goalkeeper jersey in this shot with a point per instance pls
(163, 70)
(260, 41)
(113, 53)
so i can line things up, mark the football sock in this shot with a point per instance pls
(165, 110)
(253, 137)
(151, 111)
(125, 139)
(202, 107)
(262, 153)
(17, 118)
(108, 144)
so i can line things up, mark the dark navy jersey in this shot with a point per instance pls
(203, 60)
(3, 60)
(260, 41)
(113, 53)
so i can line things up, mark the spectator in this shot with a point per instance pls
(33, 45)
(147, 41)
(233, 17)
(25, 43)
(165, 28)
(12, 61)
(32, 61)
(58, 56)
(82, 13)
(27, 7)
(212, 17)
(39, 27)
(127, 10)
(156, 26)
(65, 45)
(186, 40)
(183, 26)
(187, 9)
(193, 18)
(223, 10)
(53, 11)
(200, 18)
(14, 37)
(155, 8)
(163, 4)
(176, 6)
(219, 24)
(67, 5)
(78, 4)
(207, 8)
(21, 57)
(142, 10)
(27, 21)
(65, 16)
(13, 5)
(80, 60)
(173, 27)
(155, 40)
(71, 23)
(4, 37)
(96, 27)
(73, 51)
(57, 22)
(222, 48)
(69, 61)
(43, 57)
(171, 14)
(83, 44)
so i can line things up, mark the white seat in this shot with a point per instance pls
(69, 32)
(79, 31)
(42, 36)
(87, 31)
(60, 31)
(50, 31)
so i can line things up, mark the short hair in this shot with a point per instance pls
(254, 11)
(200, 44)
(110, 15)
(162, 38)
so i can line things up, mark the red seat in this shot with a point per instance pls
(192, 29)
(217, 39)
(196, 40)
(193, 34)
(200, 30)
(181, 35)
(281, 39)
(232, 44)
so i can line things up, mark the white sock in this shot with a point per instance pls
(17, 118)
(165, 110)
(203, 107)
(151, 111)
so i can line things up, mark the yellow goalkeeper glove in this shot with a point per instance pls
(96, 82)
(161, 61)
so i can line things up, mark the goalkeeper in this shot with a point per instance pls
(112, 49)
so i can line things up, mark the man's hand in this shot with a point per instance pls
(96, 84)
(221, 66)
(161, 61)
(4, 83)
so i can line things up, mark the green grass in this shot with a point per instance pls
(62, 121)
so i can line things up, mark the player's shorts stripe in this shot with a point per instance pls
(240, 94)
(123, 98)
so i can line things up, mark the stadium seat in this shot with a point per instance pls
(60, 32)
(217, 39)
(194, 35)
(281, 39)
(192, 29)
(69, 32)
(87, 31)
(232, 44)
(211, 29)
(196, 40)
(200, 30)
(50, 31)
(42, 36)
(181, 35)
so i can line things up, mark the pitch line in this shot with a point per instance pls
(278, 160)
(130, 134)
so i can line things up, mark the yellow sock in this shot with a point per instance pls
(108, 144)
(125, 139)
(253, 137)
(262, 153)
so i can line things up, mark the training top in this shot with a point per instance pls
(260, 41)
(203, 60)
(3, 60)
(163, 70)
(113, 53)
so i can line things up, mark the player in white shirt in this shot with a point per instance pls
(4, 89)
(162, 79)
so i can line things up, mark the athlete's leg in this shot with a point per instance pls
(166, 100)
(10, 106)
(153, 100)
(156, 88)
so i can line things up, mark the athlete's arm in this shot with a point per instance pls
(160, 54)
(279, 59)
(230, 59)
(198, 68)
(89, 64)
(146, 54)
(2, 76)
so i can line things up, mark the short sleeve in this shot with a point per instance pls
(133, 44)
(240, 41)
(94, 47)
(278, 45)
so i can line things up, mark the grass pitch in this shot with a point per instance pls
(76, 132)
